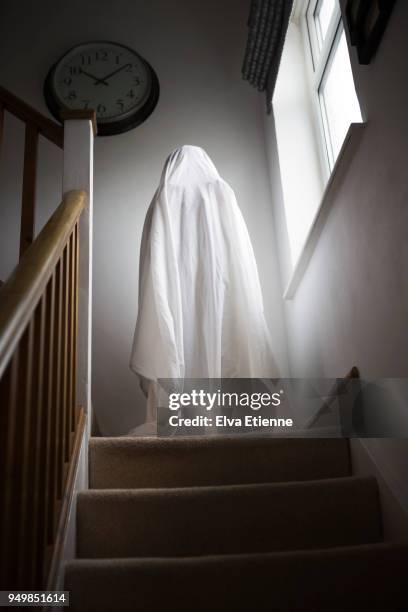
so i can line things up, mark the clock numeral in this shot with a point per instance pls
(121, 104)
(74, 70)
(137, 80)
(86, 60)
(118, 58)
(101, 56)
(129, 68)
(72, 95)
(86, 103)
(101, 108)
(130, 94)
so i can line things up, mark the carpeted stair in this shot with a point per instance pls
(129, 463)
(230, 524)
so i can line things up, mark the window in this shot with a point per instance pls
(322, 15)
(313, 109)
(332, 84)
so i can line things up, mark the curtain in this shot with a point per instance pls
(267, 26)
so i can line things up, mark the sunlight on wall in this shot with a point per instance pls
(302, 183)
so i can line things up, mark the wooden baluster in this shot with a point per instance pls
(13, 453)
(29, 187)
(52, 401)
(71, 394)
(56, 483)
(11, 480)
(75, 305)
(38, 434)
(25, 455)
(5, 382)
(47, 499)
(65, 363)
(31, 465)
(8, 397)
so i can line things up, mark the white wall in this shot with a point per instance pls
(351, 307)
(196, 49)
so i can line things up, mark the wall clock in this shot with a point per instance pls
(107, 77)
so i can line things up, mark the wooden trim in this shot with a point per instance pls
(47, 128)
(337, 388)
(22, 292)
(66, 503)
(29, 187)
(81, 114)
(354, 373)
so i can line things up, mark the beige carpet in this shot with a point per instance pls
(230, 524)
(126, 463)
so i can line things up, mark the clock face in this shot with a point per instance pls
(107, 77)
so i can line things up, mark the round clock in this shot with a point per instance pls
(107, 77)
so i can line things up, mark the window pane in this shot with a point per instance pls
(323, 15)
(338, 97)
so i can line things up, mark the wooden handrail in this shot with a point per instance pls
(46, 127)
(23, 290)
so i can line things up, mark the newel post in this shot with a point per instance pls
(79, 132)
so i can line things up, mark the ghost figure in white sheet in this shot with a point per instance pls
(200, 301)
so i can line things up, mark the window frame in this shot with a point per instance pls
(319, 56)
(323, 110)
(319, 33)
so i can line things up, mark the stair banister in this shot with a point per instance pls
(45, 366)
(40, 419)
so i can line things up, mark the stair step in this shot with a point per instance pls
(228, 519)
(128, 463)
(370, 577)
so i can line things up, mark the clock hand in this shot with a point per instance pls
(96, 79)
(108, 76)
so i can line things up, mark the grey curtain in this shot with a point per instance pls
(267, 24)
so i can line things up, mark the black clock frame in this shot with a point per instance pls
(113, 127)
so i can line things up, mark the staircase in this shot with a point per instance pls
(242, 524)
(231, 524)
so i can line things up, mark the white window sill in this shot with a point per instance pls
(345, 156)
